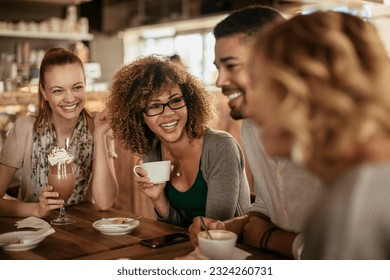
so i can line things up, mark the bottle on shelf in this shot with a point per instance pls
(11, 78)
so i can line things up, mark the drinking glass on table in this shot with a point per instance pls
(61, 177)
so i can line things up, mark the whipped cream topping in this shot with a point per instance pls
(59, 155)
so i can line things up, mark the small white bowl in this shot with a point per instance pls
(9, 236)
(106, 226)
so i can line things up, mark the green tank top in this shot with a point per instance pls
(192, 202)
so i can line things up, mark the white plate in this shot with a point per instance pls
(9, 236)
(106, 226)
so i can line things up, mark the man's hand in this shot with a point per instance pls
(196, 227)
(254, 231)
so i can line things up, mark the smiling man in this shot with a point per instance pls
(284, 191)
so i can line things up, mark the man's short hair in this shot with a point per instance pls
(249, 20)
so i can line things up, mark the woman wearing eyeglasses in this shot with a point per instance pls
(161, 112)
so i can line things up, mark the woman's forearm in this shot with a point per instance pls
(161, 205)
(16, 208)
(104, 183)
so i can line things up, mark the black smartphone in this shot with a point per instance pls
(165, 240)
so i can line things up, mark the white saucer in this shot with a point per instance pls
(9, 236)
(238, 254)
(106, 226)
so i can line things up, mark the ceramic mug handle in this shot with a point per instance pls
(134, 168)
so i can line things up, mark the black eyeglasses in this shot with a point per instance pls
(158, 108)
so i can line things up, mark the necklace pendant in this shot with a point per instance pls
(178, 174)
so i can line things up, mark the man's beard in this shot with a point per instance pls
(238, 113)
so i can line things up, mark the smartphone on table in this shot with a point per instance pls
(165, 240)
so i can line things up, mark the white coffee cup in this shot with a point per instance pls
(221, 247)
(158, 171)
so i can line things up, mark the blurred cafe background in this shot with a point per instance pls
(109, 33)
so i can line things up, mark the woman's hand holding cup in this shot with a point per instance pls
(151, 177)
(48, 200)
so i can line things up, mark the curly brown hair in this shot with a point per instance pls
(134, 85)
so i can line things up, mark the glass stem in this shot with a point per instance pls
(62, 215)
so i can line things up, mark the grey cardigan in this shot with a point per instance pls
(223, 168)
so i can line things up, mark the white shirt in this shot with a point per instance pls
(285, 192)
(352, 221)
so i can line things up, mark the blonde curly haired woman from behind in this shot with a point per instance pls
(321, 96)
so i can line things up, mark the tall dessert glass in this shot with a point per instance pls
(61, 177)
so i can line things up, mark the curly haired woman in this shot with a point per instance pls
(321, 96)
(161, 112)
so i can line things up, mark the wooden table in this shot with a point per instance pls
(81, 241)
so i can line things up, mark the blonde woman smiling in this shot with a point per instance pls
(61, 114)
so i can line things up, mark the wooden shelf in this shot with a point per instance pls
(47, 35)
